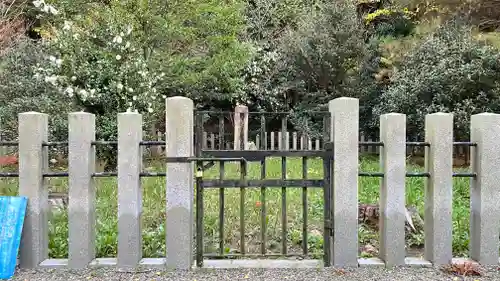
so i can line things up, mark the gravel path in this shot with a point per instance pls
(358, 274)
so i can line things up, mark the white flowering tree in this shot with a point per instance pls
(129, 55)
(114, 77)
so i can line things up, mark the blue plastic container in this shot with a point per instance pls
(12, 211)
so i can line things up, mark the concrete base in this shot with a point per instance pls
(160, 263)
(417, 262)
(262, 263)
(370, 262)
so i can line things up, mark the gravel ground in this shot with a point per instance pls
(358, 274)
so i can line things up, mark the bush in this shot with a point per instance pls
(321, 59)
(141, 53)
(21, 92)
(449, 72)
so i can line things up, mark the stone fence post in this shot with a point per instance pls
(344, 134)
(485, 189)
(438, 188)
(33, 162)
(129, 189)
(392, 193)
(82, 193)
(180, 184)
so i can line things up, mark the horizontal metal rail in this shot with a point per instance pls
(238, 183)
(246, 183)
(9, 143)
(9, 175)
(259, 155)
(162, 143)
(371, 143)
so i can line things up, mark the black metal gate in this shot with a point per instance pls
(218, 158)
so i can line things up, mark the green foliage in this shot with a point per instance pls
(267, 19)
(448, 72)
(321, 59)
(20, 92)
(130, 55)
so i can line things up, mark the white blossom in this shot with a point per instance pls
(118, 57)
(134, 98)
(84, 94)
(69, 91)
(38, 3)
(51, 79)
(117, 39)
(53, 10)
(67, 25)
(119, 86)
(150, 110)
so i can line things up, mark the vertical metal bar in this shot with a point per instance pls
(221, 190)
(327, 191)
(199, 190)
(243, 175)
(284, 123)
(263, 220)
(304, 207)
(326, 131)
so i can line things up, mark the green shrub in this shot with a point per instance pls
(320, 59)
(130, 55)
(449, 72)
(21, 92)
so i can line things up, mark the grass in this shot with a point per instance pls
(154, 211)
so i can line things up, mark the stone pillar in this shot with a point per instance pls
(241, 125)
(82, 193)
(485, 189)
(129, 189)
(392, 193)
(180, 183)
(344, 133)
(438, 188)
(33, 162)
